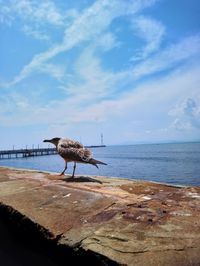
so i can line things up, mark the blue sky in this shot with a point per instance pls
(127, 69)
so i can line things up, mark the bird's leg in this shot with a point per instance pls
(74, 169)
(63, 172)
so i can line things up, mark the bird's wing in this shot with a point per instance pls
(68, 143)
(74, 154)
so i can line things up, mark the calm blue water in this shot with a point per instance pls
(169, 163)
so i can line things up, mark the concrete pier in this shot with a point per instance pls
(101, 220)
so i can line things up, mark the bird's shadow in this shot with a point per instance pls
(81, 179)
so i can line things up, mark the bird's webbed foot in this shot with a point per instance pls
(61, 174)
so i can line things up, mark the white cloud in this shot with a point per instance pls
(31, 10)
(35, 33)
(154, 97)
(181, 125)
(94, 81)
(91, 23)
(35, 18)
(95, 85)
(169, 57)
(151, 31)
(54, 70)
(13, 103)
(5, 15)
(143, 101)
(107, 42)
(187, 114)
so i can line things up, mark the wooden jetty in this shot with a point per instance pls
(22, 153)
(10, 154)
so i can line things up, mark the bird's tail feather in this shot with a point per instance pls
(95, 162)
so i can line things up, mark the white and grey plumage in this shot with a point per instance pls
(73, 151)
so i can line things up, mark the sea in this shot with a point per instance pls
(177, 164)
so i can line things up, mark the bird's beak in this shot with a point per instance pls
(47, 140)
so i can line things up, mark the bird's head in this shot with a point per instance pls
(53, 141)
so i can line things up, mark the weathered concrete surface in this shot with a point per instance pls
(129, 222)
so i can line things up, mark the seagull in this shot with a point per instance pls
(73, 151)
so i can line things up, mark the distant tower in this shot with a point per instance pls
(102, 139)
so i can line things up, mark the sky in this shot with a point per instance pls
(127, 69)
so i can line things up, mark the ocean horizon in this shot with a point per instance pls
(173, 163)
